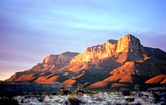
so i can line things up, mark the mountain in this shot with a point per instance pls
(116, 63)
(51, 63)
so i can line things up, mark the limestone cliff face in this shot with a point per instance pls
(97, 52)
(50, 63)
(63, 58)
(53, 62)
(126, 44)
(129, 43)
(123, 60)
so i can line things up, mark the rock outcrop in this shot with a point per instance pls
(49, 64)
(129, 43)
(108, 65)
(97, 52)
(126, 46)
(54, 62)
(159, 79)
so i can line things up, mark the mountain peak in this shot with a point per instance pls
(112, 41)
(129, 43)
(129, 35)
(123, 60)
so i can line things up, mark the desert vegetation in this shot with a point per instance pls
(50, 94)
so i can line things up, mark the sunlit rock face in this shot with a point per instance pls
(97, 52)
(123, 60)
(159, 79)
(129, 43)
(52, 62)
(63, 58)
(125, 47)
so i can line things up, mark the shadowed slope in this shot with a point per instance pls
(114, 63)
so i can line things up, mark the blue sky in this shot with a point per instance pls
(33, 29)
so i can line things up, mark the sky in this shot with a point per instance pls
(30, 30)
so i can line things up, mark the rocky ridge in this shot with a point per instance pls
(114, 62)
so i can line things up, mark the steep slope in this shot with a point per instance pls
(111, 64)
(127, 47)
(159, 79)
(50, 64)
(54, 62)
(136, 73)
(97, 52)
(134, 64)
(155, 52)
